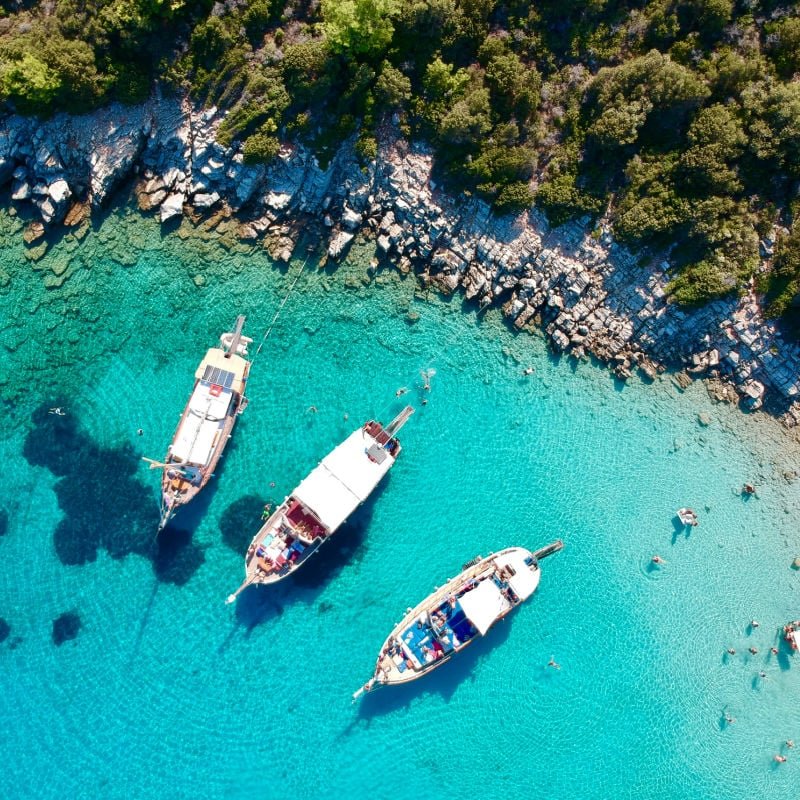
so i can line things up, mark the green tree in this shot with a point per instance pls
(784, 45)
(514, 86)
(360, 27)
(28, 83)
(774, 124)
(624, 96)
(261, 147)
(469, 119)
(393, 89)
(716, 141)
(710, 16)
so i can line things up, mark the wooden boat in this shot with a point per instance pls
(206, 423)
(322, 502)
(791, 634)
(453, 616)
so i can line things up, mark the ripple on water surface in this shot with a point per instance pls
(159, 689)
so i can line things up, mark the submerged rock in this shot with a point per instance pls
(33, 232)
(65, 627)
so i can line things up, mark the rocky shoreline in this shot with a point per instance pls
(588, 294)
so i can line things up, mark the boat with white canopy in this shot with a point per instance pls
(322, 502)
(205, 426)
(454, 615)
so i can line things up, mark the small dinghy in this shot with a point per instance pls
(687, 517)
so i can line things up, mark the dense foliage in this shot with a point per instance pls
(677, 120)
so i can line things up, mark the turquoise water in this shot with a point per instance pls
(167, 692)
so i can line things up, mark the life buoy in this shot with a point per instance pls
(216, 390)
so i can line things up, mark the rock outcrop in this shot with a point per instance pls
(590, 295)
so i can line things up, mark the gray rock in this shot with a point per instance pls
(278, 200)
(339, 242)
(21, 190)
(172, 206)
(560, 339)
(351, 219)
(204, 200)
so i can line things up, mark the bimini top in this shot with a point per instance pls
(524, 580)
(484, 604)
(344, 479)
(229, 372)
(195, 440)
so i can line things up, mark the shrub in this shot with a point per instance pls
(515, 196)
(260, 148)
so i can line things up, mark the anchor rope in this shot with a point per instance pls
(278, 311)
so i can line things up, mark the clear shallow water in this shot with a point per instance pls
(168, 692)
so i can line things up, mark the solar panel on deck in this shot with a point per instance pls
(220, 377)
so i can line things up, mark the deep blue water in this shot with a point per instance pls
(151, 686)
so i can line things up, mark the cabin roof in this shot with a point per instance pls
(216, 368)
(197, 434)
(343, 480)
(484, 604)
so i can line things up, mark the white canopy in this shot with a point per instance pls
(484, 604)
(795, 637)
(197, 435)
(343, 480)
(524, 580)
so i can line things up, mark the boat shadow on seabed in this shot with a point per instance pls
(442, 681)
(257, 605)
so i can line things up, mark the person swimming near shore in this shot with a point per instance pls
(753, 651)
(731, 651)
(656, 559)
(401, 391)
(748, 489)
(58, 411)
(779, 758)
(553, 663)
(729, 720)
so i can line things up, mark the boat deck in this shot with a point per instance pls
(439, 626)
(287, 538)
(199, 431)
